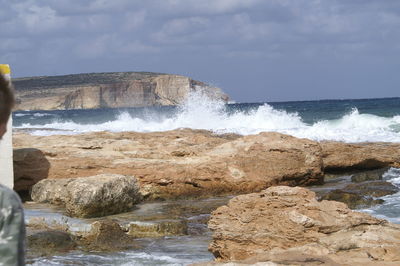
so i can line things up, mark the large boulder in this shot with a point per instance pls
(282, 224)
(90, 196)
(30, 166)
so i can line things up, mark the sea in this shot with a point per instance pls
(348, 120)
(365, 120)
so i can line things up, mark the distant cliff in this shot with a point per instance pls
(106, 90)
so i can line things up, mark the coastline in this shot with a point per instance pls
(194, 164)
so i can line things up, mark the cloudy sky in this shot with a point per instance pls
(255, 50)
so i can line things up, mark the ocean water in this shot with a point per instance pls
(367, 120)
(340, 120)
(390, 209)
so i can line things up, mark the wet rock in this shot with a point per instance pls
(90, 196)
(361, 195)
(158, 228)
(284, 225)
(352, 199)
(368, 175)
(49, 242)
(373, 188)
(107, 235)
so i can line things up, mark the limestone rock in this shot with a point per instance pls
(340, 157)
(282, 221)
(52, 191)
(352, 199)
(158, 228)
(91, 196)
(370, 175)
(107, 90)
(184, 163)
(107, 235)
(193, 163)
(361, 195)
(50, 242)
(30, 166)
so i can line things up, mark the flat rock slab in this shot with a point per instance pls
(93, 196)
(194, 163)
(340, 157)
(183, 163)
(158, 228)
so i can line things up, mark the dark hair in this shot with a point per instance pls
(6, 99)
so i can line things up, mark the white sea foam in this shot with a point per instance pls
(200, 112)
(41, 114)
(35, 114)
(393, 176)
(20, 114)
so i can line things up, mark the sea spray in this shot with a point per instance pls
(201, 112)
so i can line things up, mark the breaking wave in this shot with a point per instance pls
(200, 112)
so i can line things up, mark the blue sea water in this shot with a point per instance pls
(364, 120)
(340, 120)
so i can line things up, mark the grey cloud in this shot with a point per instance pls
(189, 36)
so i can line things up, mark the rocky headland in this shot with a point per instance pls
(107, 90)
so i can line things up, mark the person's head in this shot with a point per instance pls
(6, 103)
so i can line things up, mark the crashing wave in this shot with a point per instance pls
(201, 112)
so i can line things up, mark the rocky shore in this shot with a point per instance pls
(193, 163)
(288, 226)
(104, 173)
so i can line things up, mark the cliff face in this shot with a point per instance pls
(107, 90)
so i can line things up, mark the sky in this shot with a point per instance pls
(255, 50)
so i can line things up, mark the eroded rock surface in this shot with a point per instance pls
(107, 235)
(184, 162)
(340, 157)
(93, 196)
(289, 226)
(193, 163)
(158, 228)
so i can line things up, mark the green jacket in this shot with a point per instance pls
(12, 228)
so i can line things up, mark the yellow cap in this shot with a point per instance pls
(5, 69)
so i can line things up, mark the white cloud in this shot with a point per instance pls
(38, 19)
(91, 29)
